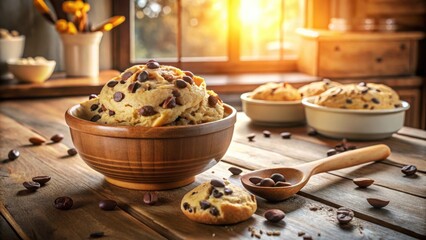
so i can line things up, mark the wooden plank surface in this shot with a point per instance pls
(6, 231)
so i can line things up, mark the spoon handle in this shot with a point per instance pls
(349, 159)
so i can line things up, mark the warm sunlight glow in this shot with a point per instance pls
(250, 11)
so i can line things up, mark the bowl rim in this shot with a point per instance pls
(13, 39)
(246, 97)
(308, 103)
(47, 63)
(92, 128)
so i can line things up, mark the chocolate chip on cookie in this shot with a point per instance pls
(217, 183)
(349, 101)
(212, 101)
(170, 102)
(375, 100)
(227, 191)
(94, 107)
(180, 83)
(118, 96)
(91, 96)
(111, 113)
(152, 65)
(112, 83)
(214, 211)
(143, 76)
(147, 111)
(133, 87)
(176, 93)
(217, 193)
(204, 204)
(188, 73)
(126, 75)
(186, 206)
(95, 118)
(188, 79)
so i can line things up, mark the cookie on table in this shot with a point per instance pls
(316, 88)
(218, 202)
(276, 92)
(360, 96)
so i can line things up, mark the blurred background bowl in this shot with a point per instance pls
(32, 73)
(353, 123)
(10, 49)
(279, 113)
(150, 158)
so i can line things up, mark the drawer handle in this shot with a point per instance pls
(379, 60)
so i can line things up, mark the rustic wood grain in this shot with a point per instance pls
(6, 231)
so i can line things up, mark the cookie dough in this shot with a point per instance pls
(218, 202)
(153, 95)
(360, 96)
(276, 92)
(316, 88)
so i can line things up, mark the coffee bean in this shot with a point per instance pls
(95, 118)
(251, 136)
(13, 154)
(375, 100)
(36, 140)
(118, 96)
(147, 111)
(274, 215)
(409, 170)
(217, 193)
(344, 215)
(331, 152)
(150, 198)
(363, 182)
(41, 179)
(133, 87)
(217, 183)
(31, 186)
(214, 211)
(278, 177)
(377, 203)
(255, 180)
(126, 75)
(307, 237)
(96, 235)
(300, 234)
(285, 135)
(312, 132)
(57, 138)
(186, 206)
(152, 65)
(212, 100)
(204, 204)
(143, 76)
(112, 83)
(188, 79)
(282, 184)
(91, 96)
(235, 170)
(266, 133)
(63, 203)
(180, 83)
(107, 205)
(228, 191)
(188, 73)
(170, 102)
(94, 107)
(266, 182)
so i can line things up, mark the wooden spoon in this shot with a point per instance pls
(299, 175)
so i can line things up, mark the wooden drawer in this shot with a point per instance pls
(364, 59)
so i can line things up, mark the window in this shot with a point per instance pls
(210, 36)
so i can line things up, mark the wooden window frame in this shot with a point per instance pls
(122, 47)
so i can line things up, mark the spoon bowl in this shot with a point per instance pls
(299, 175)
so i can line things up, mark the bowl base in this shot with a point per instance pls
(355, 136)
(150, 186)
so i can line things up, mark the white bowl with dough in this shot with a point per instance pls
(355, 124)
(275, 113)
(36, 72)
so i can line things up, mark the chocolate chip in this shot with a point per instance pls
(409, 170)
(186, 206)
(176, 93)
(188, 79)
(266, 133)
(312, 132)
(96, 235)
(112, 83)
(214, 211)
(282, 184)
(212, 100)
(91, 96)
(179, 101)
(251, 136)
(63, 203)
(31, 186)
(57, 138)
(266, 182)
(133, 87)
(307, 237)
(285, 135)
(95, 118)
(13, 154)
(111, 113)
(278, 177)
(36, 140)
(235, 170)
(107, 205)
(344, 215)
(143, 76)
(100, 110)
(152, 65)
(204, 204)
(375, 100)
(300, 233)
(118, 96)
(147, 111)
(274, 215)
(363, 182)
(168, 77)
(228, 191)
(94, 107)
(126, 75)
(41, 179)
(170, 102)
(180, 83)
(349, 101)
(377, 203)
(331, 152)
(255, 180)
(217, 183)
(365, 106)
(150, 198)
(217, 193)
(188, 73)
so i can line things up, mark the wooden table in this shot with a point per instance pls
(312, 211)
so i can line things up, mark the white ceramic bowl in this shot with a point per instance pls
(279, 113)
(10, 49)
(354, 124)
(34, 73)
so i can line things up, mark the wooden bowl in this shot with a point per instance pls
(150, 158)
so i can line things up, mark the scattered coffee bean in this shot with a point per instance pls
(204, 204)
(266, 133)
(217, 193)
(307, 237)
(91, 96)
(217, 183)
(212, 100)
(36, 141)
(63, 203)
(266, 182)
(274, 215)
(282, 184)
(57, 138)
(312, 132)
(95, 118)
(143, 76)
(251, 137)
(31, 186)
(331, 152)
(188, 79)
(344, 215)
(180, 83)
(409, 170)
(228, 191)
(13, 154)
(170, 102)
(278, 177)
(152, 65)
(300, 234)
(147, 111)
(255, 180)
(235, 170)
(118, 96)
(96, 235)
(377, 203)
(285, 135)
(150, 198)
(107, 205)
(41, 179)
(126, 75)
(363, 182)
(214, 211)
